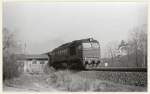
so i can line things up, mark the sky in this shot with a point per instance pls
(44, 26)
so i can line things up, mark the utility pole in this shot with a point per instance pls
(25, 45)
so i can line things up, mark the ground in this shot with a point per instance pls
(63, 81)
(28, 82)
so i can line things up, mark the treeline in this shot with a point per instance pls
(131, 52)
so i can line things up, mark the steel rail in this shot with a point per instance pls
(119, 69)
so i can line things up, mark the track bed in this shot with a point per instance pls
(122, 77)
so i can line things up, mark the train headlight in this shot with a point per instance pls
(89, 61)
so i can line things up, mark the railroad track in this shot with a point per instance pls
(123, 69)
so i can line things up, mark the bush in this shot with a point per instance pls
(10, 66)
(65, 81)
(48, 70)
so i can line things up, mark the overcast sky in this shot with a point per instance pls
(44, 26)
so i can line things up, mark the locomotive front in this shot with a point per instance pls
(91, 53)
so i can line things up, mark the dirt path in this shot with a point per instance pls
(28, 82)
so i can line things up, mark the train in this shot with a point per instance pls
(78, 54)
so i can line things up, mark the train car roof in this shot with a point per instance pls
(86, 40)
(33, 56)
(63, 46)
(75, 42)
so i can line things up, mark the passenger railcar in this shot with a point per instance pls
(78, 54)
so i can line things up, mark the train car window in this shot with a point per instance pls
(64, 51)
(87, 45)
(95, 45)
(60, 52)
(79, 47)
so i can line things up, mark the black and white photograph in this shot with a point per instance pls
(74, 46)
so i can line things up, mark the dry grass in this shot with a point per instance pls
(69, 81)
(75, 81)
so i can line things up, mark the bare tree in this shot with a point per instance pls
(10, 47)
(143, 43)
(112, 50)
(138, 45)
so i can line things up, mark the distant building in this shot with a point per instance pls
(33, 63)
